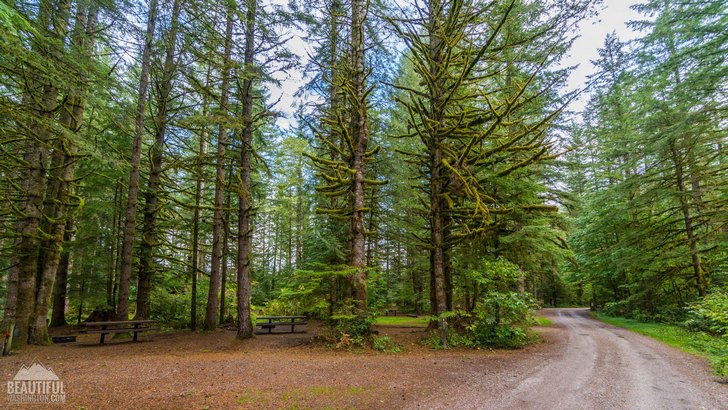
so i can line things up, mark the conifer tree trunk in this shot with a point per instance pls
(245, 324)
(225, 251)
(334, 90)
(151, 196)
(196, 214)
(299, 212)
(41, 96)
(63, 171)
(448, 271)
(416, 280)
(22, 275)
(58, 316)
(114, 248)
(214, 290)
(11, 303)
(360, 137)
(195, 262)
(697, 266)
(680, 182)
(289, 255)
(127, 244)
(437, 184)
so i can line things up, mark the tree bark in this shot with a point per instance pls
(127, 244)
(62, 176)
(698, 272)
(214, 290)
(114, 248)
(448, 271)
(225, 251)
(52, 21)
(151, 196)
(196, 214)
(360, 136)
(245, 324)
(438, 224)
(417, 286)
(58, 317)
(335, 12)
(299, 212)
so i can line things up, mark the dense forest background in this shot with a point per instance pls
(432, 166)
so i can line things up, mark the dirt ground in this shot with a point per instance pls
(216, 371)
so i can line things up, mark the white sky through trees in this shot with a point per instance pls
(613, 17)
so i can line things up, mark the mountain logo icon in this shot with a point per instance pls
(36, 371)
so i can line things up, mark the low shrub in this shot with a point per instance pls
(385, 344)
(350, 327)
(500, 320)
(710, 314)
(620, 308)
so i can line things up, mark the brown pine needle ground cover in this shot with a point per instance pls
(216, 371)
(581, 363)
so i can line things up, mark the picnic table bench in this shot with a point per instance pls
(118, 326)
(271, 322)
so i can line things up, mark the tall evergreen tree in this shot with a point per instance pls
(476, 121)
(220, 166)
(150, 236)
(127, 249)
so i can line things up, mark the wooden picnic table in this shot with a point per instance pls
(118, 326)
(271, 322)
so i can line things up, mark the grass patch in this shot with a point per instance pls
(322, 391)
(712, 347)
(254, 396)
(401, 321)
(542, 321)
(319, 397)
(354, 390)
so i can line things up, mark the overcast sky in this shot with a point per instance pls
(613, 17)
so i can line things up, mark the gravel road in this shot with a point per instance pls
(594, 366)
